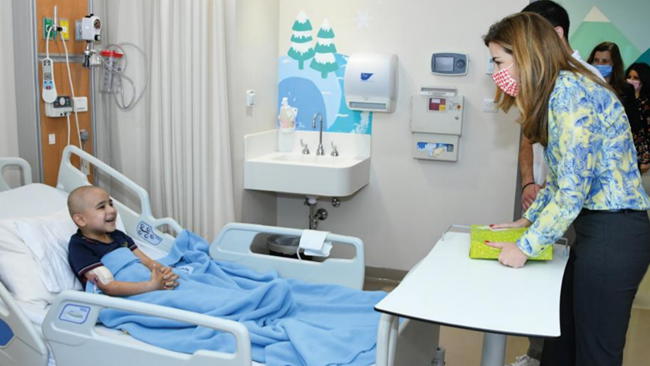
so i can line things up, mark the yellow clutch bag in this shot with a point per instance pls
(479, 234)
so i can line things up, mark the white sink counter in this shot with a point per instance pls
(273, 161)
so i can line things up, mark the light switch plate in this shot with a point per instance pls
(489, 63)
(489, 106)
(80, 104)
(77, 30)
(51, 139)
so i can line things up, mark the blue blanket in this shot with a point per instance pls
(291, 322)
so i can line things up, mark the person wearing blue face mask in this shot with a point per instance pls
(606, 57)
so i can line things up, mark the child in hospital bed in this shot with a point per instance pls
(290, 322)
(92, 211)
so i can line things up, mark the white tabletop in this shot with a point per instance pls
(450, 288)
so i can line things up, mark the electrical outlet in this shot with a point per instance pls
(65, 24)
(47, 23)
(51, 138)
(489, 105)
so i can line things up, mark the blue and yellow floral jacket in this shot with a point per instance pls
(591, 159)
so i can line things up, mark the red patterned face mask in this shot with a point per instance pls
(506, 82)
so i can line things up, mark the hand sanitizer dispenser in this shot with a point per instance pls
(371, 82)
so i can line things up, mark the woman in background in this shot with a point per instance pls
(606, 57)
(593, 182)
(638, 75)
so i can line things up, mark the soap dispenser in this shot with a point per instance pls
(287, 116)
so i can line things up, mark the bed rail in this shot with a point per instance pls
(18, 336)
(25, 169)
(70, 324)
(235, 240)
(143, 225)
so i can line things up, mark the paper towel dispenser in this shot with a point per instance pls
(371, 82)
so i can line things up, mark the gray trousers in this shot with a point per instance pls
(605, 269)
(536, 345)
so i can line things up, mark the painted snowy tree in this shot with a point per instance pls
(325, 59)
(301, 49)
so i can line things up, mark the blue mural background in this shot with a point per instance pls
(306, 90)
(311, 78)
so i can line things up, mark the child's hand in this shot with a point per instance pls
(157, 280)
(169, 278)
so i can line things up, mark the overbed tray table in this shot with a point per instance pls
(449, 288)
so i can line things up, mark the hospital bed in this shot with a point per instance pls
(36, 336)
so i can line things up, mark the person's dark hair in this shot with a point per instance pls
(643, 70)
(553, 12)
(617, 80)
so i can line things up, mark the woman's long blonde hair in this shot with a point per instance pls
(540, 55)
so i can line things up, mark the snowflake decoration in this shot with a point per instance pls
(363, 19)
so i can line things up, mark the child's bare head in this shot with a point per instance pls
(92, 210)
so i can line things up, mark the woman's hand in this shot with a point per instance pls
(511, 255)
(519, 223)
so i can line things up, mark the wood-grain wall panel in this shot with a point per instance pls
(71, 10)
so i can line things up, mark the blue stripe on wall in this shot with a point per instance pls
(6, 334)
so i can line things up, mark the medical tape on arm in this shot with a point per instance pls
(103, 275)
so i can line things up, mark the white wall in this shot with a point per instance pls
(252, 44)
(8, 120)
(409, 203)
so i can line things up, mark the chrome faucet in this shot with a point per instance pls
(320, 150)
(305, 148)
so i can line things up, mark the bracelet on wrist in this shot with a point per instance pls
(525, 186)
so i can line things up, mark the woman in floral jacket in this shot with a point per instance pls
(594, 182)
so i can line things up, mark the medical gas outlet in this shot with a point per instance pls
(436, 123)
(61, 107)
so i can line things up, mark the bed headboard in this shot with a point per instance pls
(142, 226)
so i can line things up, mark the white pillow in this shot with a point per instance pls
(18, 270)
(48, 237)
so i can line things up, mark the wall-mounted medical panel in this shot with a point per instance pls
(437, 110)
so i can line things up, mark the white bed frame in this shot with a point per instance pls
(75, 344)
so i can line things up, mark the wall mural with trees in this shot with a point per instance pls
(319, 87)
